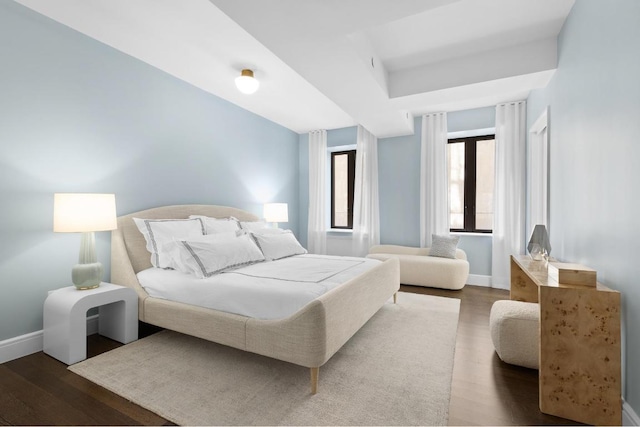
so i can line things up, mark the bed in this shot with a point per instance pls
(309, 337)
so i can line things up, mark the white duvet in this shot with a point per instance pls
(267, 290)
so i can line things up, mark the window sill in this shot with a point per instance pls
(339, 230)
(464, 233)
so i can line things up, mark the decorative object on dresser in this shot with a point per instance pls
(85, 213)
(572, 274)
(580, 356)
(539, 247)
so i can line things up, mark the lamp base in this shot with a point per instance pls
(87, 276)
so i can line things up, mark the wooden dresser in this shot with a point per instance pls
(579, 376)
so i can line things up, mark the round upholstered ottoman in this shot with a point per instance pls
(515, 327)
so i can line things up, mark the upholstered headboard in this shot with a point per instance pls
(129, 254)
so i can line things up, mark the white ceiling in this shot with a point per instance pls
(325, 64)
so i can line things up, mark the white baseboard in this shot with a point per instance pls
(629, 416)
(17, 347)
(92, 325)
(24, 345)
(479, 280)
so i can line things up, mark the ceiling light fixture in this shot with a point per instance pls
(246, 83)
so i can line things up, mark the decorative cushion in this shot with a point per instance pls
(159, 232)
(275, 245)
(215, 253)
(444, 246)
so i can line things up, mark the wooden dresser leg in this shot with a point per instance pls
(314, 380)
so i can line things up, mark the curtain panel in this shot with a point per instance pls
(434, 182)
(509, 191)
(366, 210)
(537, 174)
(317, 224)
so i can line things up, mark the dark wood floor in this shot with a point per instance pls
(485, 390)
(39, 390)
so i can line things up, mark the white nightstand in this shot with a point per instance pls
(65, 319)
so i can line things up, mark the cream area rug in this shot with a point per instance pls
(395, 371)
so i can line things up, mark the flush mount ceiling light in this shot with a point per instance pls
(246, 83)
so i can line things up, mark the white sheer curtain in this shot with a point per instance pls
(509, 192)
(434, 182)
(366, 211)
(317, 227)
(538, 172)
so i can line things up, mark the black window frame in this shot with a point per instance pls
(351, 177)
(470, 144)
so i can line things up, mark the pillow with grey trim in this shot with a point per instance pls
(218, 225)
(215, 253)
(159, 232)
(444, 246)
(276, 245)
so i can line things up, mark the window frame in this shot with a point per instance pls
(469, 211)
(351, 177)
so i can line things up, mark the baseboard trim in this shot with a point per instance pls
(24, 345)
(479, 280)
(92, 325)
(629, 416)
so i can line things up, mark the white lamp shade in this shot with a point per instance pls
(246, 83)
(276, 212)
(82, 212)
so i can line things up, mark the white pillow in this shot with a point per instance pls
(267, 231)
(253, 225)
(213, 254)
(278, 245)
(218, 225)
(444, 246)
(159, 232)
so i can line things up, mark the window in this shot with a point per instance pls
(343, 173)
(471, 177)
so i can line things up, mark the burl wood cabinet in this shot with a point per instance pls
(579, 376)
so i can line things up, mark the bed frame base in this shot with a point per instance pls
(307, 338)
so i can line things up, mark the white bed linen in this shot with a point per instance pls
(268, 290)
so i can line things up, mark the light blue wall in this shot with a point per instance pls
(594, 100)
(477, 118)
(399, 188)
(79, 116)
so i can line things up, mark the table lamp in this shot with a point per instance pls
(85, 213)
(276, 212)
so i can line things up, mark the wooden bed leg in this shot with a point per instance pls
(395, 298)
(314, 380)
